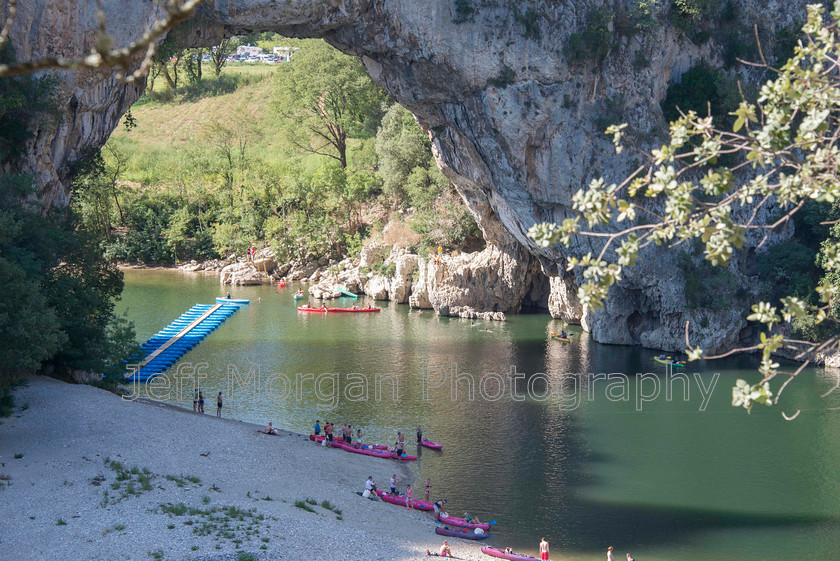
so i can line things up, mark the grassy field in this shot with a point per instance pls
(168, 133)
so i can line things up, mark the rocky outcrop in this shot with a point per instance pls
(515, 126)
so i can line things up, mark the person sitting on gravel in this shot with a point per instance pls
(370, 485)
(444, 550)
(271, 430)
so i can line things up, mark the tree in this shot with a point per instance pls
(401, 146)
(220, 53)
(787, 152)
(325, 97)
(192, 64)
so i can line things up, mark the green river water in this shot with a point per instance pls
(540, 446)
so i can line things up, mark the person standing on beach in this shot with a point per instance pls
(394, 484)
(195, 401)
(543, 550)
(200, 401)
(219, 405)
(317, 428)
(419, 435)
(401, 438)
(610, 554)
(359, 438)
(409, 497)
(428, 488)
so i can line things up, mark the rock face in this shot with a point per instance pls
(514, 125)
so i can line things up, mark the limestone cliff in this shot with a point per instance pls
(514, 125)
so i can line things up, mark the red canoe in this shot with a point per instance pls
(461, 523)
(400, 500)
(465, 533)
(429, 444)
(492, 551)
(376, 452)
(322, 310)
(281, 285)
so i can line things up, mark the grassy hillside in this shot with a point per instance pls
(167, 134)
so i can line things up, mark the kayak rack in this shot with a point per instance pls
(167, 346)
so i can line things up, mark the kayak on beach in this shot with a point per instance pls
(337, 443)
(376, 452)
(462, 523)
(465, 533)
(400, 500)
(495, 552)
(429, 444)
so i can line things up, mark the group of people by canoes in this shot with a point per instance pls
(344, 434)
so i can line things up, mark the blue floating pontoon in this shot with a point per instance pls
(166, 347)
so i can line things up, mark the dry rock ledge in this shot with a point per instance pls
(485, 284)
(53, 503)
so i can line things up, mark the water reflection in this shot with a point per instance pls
(669, 481)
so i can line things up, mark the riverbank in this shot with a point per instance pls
(88, 475)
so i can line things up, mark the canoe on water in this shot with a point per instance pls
(500, 553)
(281, 285)
(557, 337)
(230, 300)
(669, 361)
(400, 501)
(429, 444)
(465, 533)
(333, 310)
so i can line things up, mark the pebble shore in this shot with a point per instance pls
(85, 474)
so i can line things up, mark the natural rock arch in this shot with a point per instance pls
(514, 125)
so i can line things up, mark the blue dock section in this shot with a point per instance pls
(167, 346)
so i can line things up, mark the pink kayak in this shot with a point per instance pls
(492, 551)
(368, 452)
(400, 500)
(351, 310)
(429, 444)
(377, 451)
(461, 523)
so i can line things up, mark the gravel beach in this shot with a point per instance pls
(85, 474)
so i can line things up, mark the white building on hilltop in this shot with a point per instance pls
(284, 54)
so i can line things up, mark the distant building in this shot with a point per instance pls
(248, 50)
(284, 54)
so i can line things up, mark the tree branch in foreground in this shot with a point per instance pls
(104, 54)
